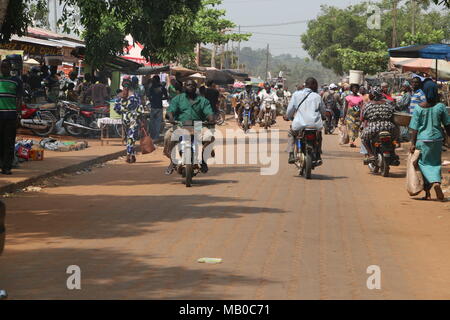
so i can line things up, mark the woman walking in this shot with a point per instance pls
(427, 136)
(129, 106)
(352, 112)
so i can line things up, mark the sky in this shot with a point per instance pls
(262, 12)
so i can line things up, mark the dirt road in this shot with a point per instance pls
(137, 234)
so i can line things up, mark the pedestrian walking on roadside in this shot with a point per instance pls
(10, 109)
(352, 113)
(129, 106)
(427, 136)
(156, 94)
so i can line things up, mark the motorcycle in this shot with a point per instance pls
(188, 167)
(385, 157)
(306, 152)
(80, 120)
(40, 122)
(268, 105)
(330, 121)
(247, 117)
(220, 117)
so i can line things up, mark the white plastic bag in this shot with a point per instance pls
(343, 134)
(414, 178)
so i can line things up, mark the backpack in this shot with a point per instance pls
(330, 101)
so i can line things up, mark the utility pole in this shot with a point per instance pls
(267, 62)
(394, 23)
(239, 50)
(197, 54)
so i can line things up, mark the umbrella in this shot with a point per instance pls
(428, 51)
(219, 77)
(437, 51)
(255, 81)
(197, 76)
(237, 75)
(424, 65)
(239, 85)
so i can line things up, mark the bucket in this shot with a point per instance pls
(356, 76)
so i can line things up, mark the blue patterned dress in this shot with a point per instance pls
(130, 108)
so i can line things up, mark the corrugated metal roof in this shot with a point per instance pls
(37, 41)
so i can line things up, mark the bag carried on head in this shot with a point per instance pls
(414, 177)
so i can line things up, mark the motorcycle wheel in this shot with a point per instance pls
(77, 119)
(45, 117)
(188, 179)
(245, 124)
(385, 168)
(220, 118)
(308, 166)
(266, 122)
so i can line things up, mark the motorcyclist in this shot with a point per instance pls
(246, 96)
(306, 109)
(188, 106)
(268, 94)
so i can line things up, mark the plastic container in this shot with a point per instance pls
(356, 76)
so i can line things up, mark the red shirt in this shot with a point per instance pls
(388, 96)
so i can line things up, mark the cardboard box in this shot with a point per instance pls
(37, 154)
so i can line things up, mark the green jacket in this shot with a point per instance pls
(184, 110)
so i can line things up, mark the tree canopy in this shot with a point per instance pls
(341, 39)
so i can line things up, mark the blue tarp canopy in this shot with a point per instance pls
(427, 51)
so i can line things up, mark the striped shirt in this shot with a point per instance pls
(10, 89)
(416, 99)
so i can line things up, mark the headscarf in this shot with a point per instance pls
(377, 93)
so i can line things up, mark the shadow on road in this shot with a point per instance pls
(109, 274)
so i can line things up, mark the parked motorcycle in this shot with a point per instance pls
(306, 151)
(220, 117)
(385, 157)
(188, 166)
(80, 120)
(40, 122)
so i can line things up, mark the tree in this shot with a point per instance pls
(341, 40)
(39, 14)
(164, 28)
(211, 27)
(14, 19)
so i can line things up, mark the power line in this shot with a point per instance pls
(277, 24)
(276, 34)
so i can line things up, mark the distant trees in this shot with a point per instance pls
(341, 39)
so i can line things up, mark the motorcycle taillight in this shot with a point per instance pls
(310, 136)
(385, 139)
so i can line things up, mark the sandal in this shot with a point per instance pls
(439, 194)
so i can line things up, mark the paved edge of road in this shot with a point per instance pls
(14, 187)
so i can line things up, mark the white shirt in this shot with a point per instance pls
(310, 112)
(263, 95)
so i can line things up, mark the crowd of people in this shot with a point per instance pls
(365, 112)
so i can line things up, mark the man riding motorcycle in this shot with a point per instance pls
(306, 109)
(267, 94)
(246, 96)
(188, 106)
